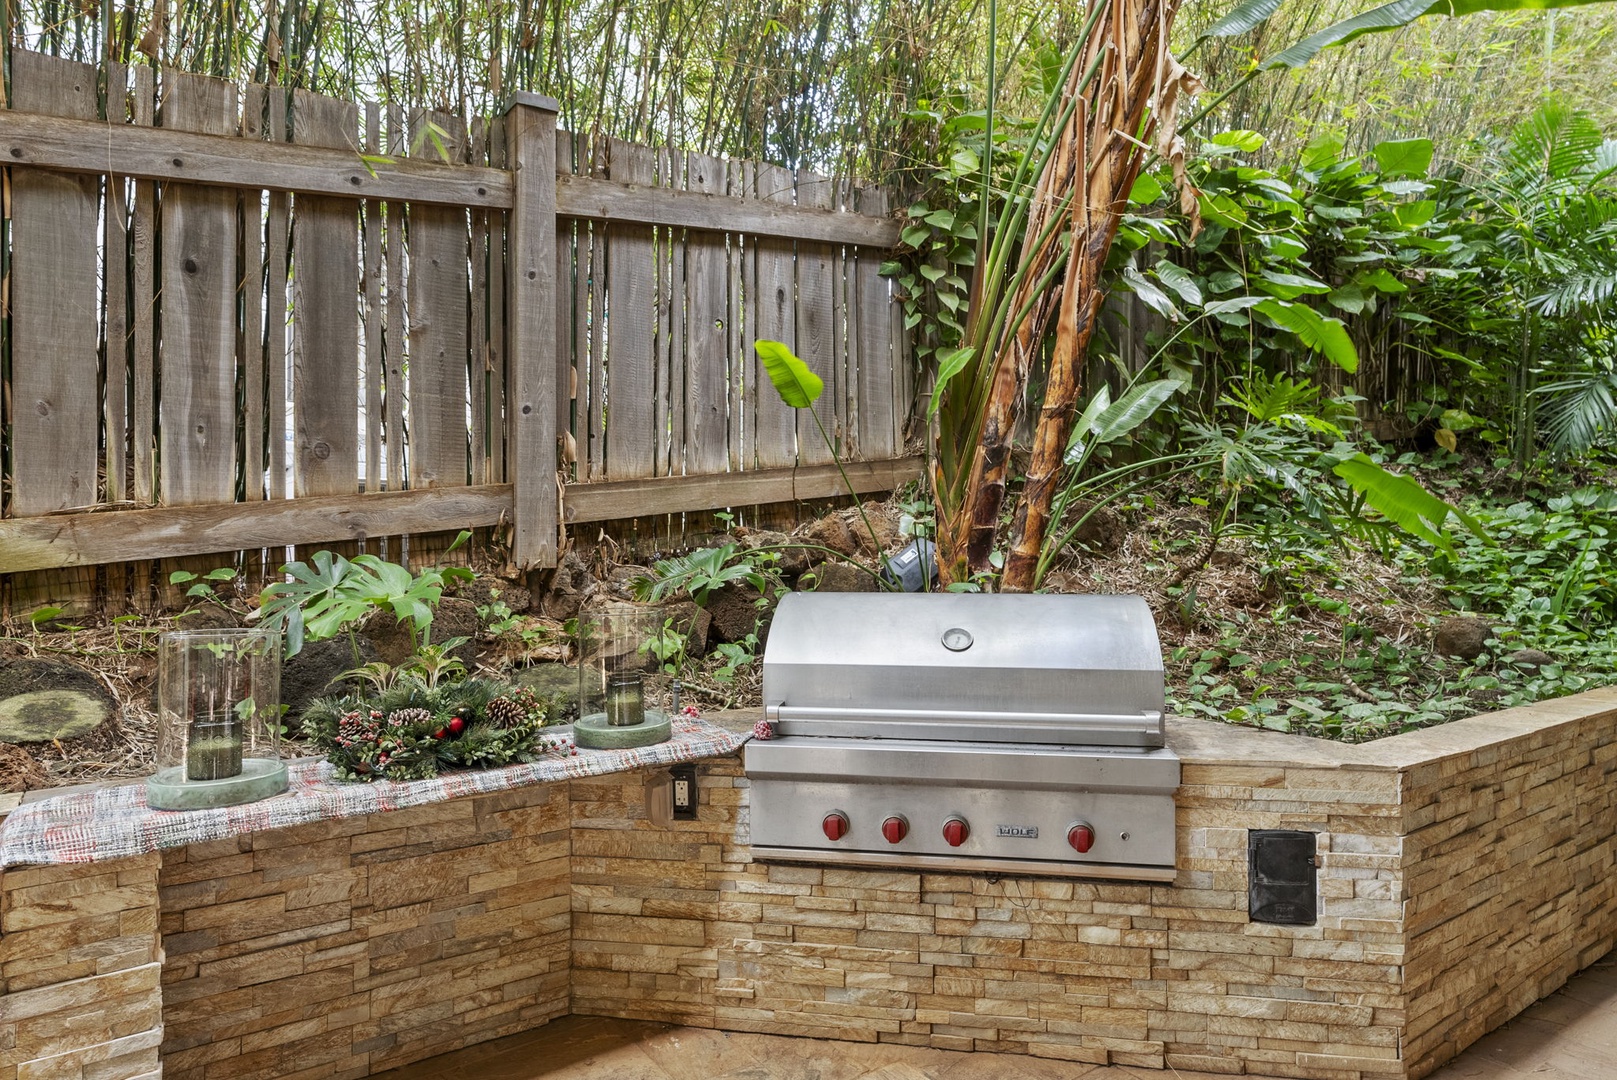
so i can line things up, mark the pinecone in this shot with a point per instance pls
(409, 717)
(506, 713)
(355, 727)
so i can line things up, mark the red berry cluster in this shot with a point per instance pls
(560, 745)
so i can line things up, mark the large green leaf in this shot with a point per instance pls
(1179, 280)
(1403, 501)
(1243, 18)
(1387, 17)
(794, 382)
(1403, 157)
(1154, 298)
(1289, 286)
(1080, 431)
(1322, 334)
(1133, 409)
(1393, 16)
(950, 366)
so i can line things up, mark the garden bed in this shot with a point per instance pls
(1465, 871)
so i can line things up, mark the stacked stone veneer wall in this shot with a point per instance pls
(1512, 879)
(682, 927)
(346, 947)
(1465, 872)
(79, 971)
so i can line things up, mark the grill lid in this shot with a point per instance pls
(999, 668)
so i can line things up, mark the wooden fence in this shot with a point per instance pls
(239, 322)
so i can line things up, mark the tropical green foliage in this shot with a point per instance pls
(1545, 583)
(330, 594)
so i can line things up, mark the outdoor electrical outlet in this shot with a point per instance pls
(684, 777)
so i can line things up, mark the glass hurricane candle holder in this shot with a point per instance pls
(219, 719)
(614, 660)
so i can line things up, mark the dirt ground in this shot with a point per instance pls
(520, 624)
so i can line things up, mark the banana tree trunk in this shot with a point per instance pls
(1125, 82)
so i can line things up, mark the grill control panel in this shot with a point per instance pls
(839, 826)
(997, 810)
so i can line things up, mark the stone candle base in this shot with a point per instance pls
(168, 789)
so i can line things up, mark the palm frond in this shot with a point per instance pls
(1578, 412)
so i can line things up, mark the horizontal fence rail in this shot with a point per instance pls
(251, 319)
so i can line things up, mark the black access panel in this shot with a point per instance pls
(1282, 877)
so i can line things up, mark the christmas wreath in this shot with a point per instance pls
(412, 730)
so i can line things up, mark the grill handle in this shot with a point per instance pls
(1112, 729)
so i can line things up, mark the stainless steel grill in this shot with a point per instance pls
(998, 734)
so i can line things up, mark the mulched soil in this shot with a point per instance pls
(1146, 551)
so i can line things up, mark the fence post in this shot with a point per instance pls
(530, 132)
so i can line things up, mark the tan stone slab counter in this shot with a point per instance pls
(113, 821)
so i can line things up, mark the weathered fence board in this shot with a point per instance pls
(707, 337)
(325, 244)
(818, 314)
(879, 411)
(455, 325)
(672, 371)
(482, 399)
(631, 319)
(276, 266)
(536, 379)
(55, 329)
(254, 376)
(439, 286)
(198, 351)
(371, 282)
(775, 319)
(394, 349)
(115, 244)
(142, 280)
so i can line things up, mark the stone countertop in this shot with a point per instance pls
(113, 821)
(1208, 742)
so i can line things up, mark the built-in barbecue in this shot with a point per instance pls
(987, 733)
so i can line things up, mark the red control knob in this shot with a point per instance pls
(835, 825)
(1081, 837)
(955, 831)
(895, 829)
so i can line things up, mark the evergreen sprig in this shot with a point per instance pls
(412, 731)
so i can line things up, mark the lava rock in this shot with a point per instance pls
(484, 592)
(208, 617)
(571, 584)
(1102, 532)
(19, 771)
(1529, 659)
(735, 612)
(395, 642)
(1462, 636)
(790, 561)
(832, 532)
(694, 622)
(557, 683)
(316, 671)
(841, 577)
(883, 521)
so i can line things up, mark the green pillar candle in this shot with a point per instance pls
(625, 700)
(213, 749)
